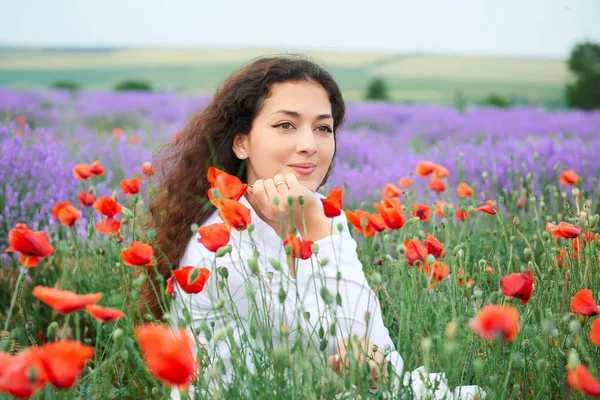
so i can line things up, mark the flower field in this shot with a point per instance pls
(478, 231)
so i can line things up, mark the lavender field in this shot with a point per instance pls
(511, 194)
(496, 149)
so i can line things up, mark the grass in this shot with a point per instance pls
(411, 78)
(428, 320)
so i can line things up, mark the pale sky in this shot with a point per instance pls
(538, 28)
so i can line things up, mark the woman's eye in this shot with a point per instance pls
(325, 128)
(285, 125)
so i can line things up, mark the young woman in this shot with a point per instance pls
(273, 123)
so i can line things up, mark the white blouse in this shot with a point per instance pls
(257, 297)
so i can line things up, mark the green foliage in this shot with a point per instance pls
(133, 85)
(377, 90)
(584, 63)
(68, 85)
(496, 100)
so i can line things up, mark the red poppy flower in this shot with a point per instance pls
(66, 213)
(461, 214)
(214, 236)
(96, 168)
(405, 182)
(440, 171)
(134, 139)
(521, 202)
(230, 187)
(496, 321)
(425, 168)
(583, 381)
(167, 354)
(170, 286)
(32, 245)
(21, 120)
(564, 230)
(87, 199)
(518, 285)
(434, 246)
(332, 205)
(583, 303)
(489, 270)
(488, 208)
(560, 259)
(148, 168)
(439, 208)
(130, 186)
(390, 191)
(463, 190)
(63, 361)
(375, 223)
(300, 248)
(391, 212)
(82, 171)
(64, 301)
(437, 184)
(104, 314)
(107, 206)
(569, 177)
(421, 211)
(461, 280)
(437, 271)
(595, 332)
(137, 254)
(117, 132)
(108, 226)
(235, 214)
(182, 276)
(17, 371)
(414, 251)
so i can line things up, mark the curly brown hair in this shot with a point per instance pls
(181, 198)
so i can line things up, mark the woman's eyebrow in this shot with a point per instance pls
(298, 115)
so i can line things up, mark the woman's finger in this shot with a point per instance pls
(272, 193)
(260, 194)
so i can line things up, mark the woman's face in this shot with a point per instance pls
(293, 133)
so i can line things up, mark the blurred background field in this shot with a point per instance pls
(411, 78)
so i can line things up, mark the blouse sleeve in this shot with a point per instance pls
(359, 312)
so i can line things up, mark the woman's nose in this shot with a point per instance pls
(307, 142)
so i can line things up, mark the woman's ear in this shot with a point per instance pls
(240, 146)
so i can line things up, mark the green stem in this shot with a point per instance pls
(66, 326)
(14, 297)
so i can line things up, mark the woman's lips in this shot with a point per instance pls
(304, 170)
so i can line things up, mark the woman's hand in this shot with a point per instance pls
(266, 190)
(363, 351)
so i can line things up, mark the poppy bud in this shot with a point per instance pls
(194, 227)
(275, 264)
(215, 193)
(573, 359)
(478, 365)
(276, 201)
(574, 326)
(541, 365)
(250, 228)
(282, 295)
(314, 248)
(325, 295)
(594, 221)
(253, 265)
(127, 212)
(301, 200)
(340, 227)
(51, 331)
(223, 251)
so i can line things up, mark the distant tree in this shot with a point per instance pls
(460, 101)
(377, 90)
(133, 85)
(496, 100)
(68, 85)
(584, 63)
